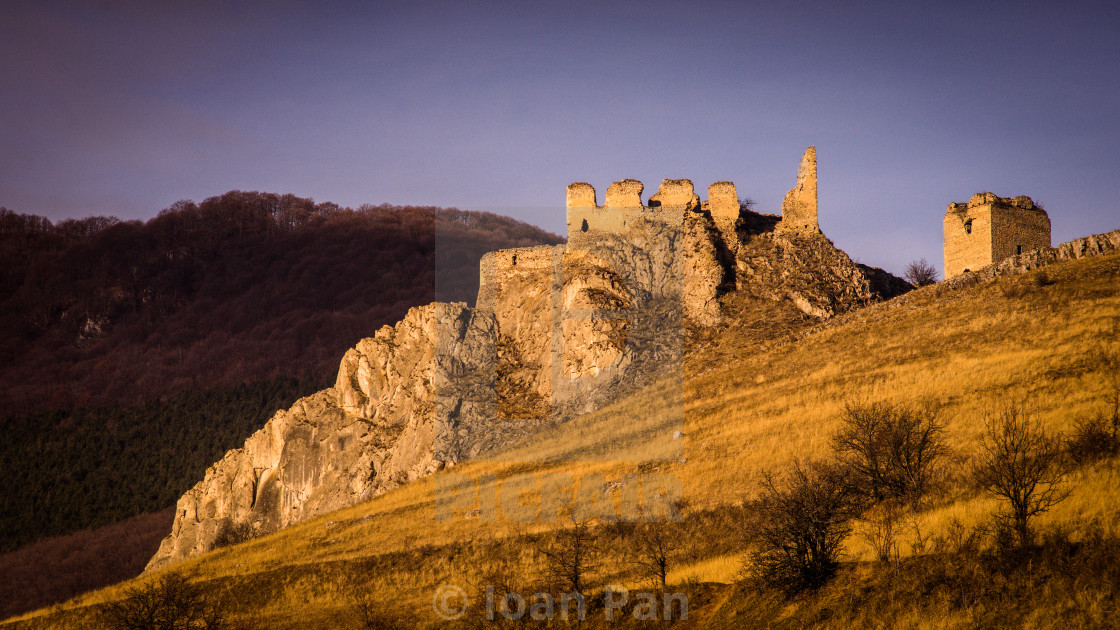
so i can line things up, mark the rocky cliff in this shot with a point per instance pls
(557, 331)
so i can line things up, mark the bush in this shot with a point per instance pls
(920, 273)
(571, 555)
(170, 603)
(893, 451)
(654, 545)
(1094, 440)
(803, 520)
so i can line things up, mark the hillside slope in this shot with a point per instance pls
(133, 354)
(754, 398)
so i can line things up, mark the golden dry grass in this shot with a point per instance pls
(744, 412)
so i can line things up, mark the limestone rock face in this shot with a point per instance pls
(799, 208)
(403, 402)
(277, 478)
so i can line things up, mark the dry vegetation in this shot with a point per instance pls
(775, 398)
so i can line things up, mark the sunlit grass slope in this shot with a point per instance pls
(748, 402)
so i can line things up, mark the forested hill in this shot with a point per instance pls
(243, 287)
(135, 354)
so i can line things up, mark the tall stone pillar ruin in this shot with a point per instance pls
(799, 208)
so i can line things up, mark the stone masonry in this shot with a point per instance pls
(989, 229)
(799, 208)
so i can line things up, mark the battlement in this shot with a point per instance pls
(675, 193)
(723, 201)
(676, 199)
(623, 209)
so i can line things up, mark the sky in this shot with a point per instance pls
(124, 107)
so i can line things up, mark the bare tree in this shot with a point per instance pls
(1022, 464)
(369, 610)
(880, 529)
(920, 273)
(654, 546)
(571, 556)
(803, 520)
(892, 450)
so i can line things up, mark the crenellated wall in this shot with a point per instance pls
(556, 332)
(623, 210)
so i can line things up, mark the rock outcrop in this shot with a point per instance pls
(405, 401)
(557, 331)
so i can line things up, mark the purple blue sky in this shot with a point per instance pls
(123, 107)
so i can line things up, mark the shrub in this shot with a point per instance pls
(920, 273)
(803, 520)
(1093, 440)
(892, 450)
(654, 546)
(232, 533)
(571, 556)
(170, 603)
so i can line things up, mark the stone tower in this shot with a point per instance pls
(989, 229)
(799, 208)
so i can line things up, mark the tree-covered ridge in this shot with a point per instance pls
(73, 469)
(241, 287)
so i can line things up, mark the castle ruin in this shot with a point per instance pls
(989, 229)
(675, 199)
(556, 332)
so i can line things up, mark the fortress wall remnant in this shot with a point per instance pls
(799, 208)
(624, 194)
(623, 208)
(675, 193)
(1016, 230)
(989, 229)
(723, 205)
(498, 267)
(968, 239)
(723, 201)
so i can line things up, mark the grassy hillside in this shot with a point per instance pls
(753, 398)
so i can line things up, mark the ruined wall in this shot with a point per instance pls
(990, 228)
(799, 208)
(623, 210)
(723, 206)
(968, 238)
(1016, 230)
